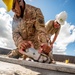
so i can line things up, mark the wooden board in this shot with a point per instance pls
(70, 68)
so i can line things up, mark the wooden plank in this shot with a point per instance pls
(57, 57)
(57, 67)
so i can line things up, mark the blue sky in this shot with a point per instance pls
(52, 7)
(49, 9)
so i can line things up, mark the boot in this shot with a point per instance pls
(51, 58)
(53, 61)
(24, 57)
(14, 54)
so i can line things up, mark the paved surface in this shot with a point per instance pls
(14, 69)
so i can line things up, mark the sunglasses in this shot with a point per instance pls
(57, 22)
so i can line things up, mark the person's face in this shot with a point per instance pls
(18, 5)
(56, 25)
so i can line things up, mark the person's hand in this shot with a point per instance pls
(25, 44)
(45, 48)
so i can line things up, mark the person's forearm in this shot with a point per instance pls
(17, 38)
(54, 39)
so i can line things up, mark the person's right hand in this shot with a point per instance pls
(25, 44)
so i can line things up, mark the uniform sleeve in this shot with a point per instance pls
(40, 26)
(48, 26)
(39, 21)
(16, 33)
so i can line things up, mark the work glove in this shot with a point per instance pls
(44, 48)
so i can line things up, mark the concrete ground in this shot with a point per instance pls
(14, 69)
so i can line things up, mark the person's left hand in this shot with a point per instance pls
(45, 48)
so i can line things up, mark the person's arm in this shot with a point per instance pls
(40, 26)
(55, 37)
(20, 43)
(15, 31)
(42, 34)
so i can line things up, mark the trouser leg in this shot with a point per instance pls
(14, 54)
(51, 56)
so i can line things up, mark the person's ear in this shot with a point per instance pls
(22, 3)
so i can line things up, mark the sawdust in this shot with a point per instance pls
(14, 69)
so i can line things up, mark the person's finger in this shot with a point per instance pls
(23, 45)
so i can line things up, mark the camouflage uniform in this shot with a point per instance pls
(30, 28)
(50, 31)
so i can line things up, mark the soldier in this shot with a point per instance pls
(53, 27)
(28, 27)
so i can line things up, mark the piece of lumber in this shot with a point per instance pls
(57, 67)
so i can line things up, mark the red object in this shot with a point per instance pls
(45, 49)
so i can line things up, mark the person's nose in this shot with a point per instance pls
(14, 10)
(58, 25)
